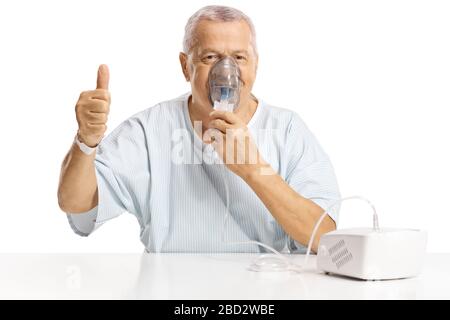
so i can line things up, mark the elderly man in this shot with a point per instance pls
(180, 205)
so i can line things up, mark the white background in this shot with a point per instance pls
(370, 78)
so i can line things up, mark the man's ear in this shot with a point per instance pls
(184, 65)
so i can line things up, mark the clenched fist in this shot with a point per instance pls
(92, 110)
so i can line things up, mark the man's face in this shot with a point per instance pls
(214, 41)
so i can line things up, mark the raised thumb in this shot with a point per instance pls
(103, 77)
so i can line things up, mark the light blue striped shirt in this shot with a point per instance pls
(151, 166)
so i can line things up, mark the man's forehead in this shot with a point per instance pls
(220, 36)
(201, 50)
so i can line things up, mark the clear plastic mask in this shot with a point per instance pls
(224, 81)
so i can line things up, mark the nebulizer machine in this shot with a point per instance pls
(365, 253)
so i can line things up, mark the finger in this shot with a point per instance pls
(96, 129)
(103, 77)
(229, 117)
(99, 94)
(98, 106)
(220, 125)
(96, 118)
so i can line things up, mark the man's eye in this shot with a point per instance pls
(210, 57)
(240, 58)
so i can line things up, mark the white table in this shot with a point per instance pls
(198, 276)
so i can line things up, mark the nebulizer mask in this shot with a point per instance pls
(224, 83)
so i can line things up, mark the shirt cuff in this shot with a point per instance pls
(84, 223)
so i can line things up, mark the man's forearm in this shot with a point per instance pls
(77, 191)
(296, 214)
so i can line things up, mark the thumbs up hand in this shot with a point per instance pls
(92, 110)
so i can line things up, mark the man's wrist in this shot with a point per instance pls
(255, 171)
(84, 147)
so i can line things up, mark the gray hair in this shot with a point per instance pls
(214, 13)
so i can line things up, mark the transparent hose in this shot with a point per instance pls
(280, 262)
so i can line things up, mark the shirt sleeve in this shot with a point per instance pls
(121, 164)
(309, 172)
